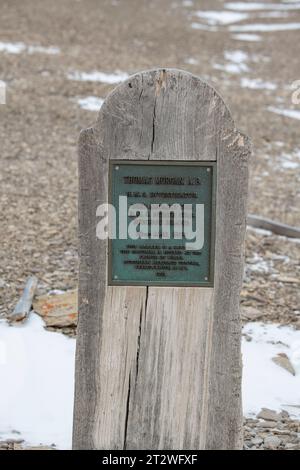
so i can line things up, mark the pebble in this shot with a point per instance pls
(282, 433)
(272, 442)
(257, 441)
(267, 424)
(268, 415)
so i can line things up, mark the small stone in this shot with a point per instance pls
(284, 414)
(272, 442)
(247, 337)
(249, 444)
(283, 361)
(251, 421)
(268, 415)
(290, 446)
(267, 424)
(257, 441)
(282, 432)
(251, 313)
(4, 445)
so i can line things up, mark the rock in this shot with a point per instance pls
(20, 447)
(290, 446)
(268, 415)
(284, 414)
(59, 310)
(283, 361)
(267, 424)
(4, 445)
(282, 432)
(23, 307)
(249, 444)
(250, 313)
(247, 337)
(257, 441)
(270, 435)
(272, 442)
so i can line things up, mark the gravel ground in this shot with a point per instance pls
(271, 431)
(42, 119)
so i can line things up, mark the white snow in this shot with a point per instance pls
(274, 14)
(229, 68)
(257, 84)
(103, 77)
(3, 87)
(203, 27)
(220, 17)
(19, 47)
(264, 28)
(265, 384)
(238, 57)
(290, 161)
(291, 113)
(191, 61)
(288, 165)
(187, 3)
(252, 6)
(247, 37)
(258, 265)
(37, 376)
(236, 62)
(43, 50)
(90, 103)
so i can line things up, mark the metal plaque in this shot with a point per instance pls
(162, 223)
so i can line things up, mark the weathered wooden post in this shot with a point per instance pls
(158, 362)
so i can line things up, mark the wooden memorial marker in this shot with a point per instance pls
(158, 361)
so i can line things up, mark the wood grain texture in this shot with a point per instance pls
(23, 307)
(275, 227)
(160, 368)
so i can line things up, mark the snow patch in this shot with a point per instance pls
(264, 28)
(3, 87)
(291, 113)
(257, 84)
(103, 77)
(37, 372)
(258, 265)
(191, 61)
(220, 17)
(290, 161)
(265, 384)
(236, 62)
(20, 47)
(203, 27)
(247, 37)
(274, 14)
(90, 103)
(252, 6)
(37, 377)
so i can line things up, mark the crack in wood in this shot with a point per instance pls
(127, 412)
(138, 346)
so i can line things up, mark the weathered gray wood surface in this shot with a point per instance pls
(156, 367)
(23, 307)
(275, 227)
